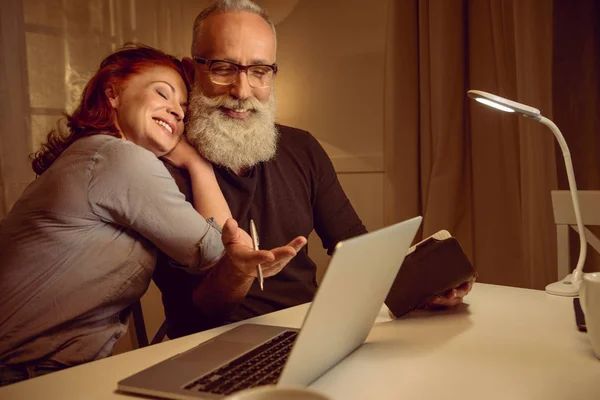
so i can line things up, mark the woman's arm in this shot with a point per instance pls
(130, 187)
(208, 198)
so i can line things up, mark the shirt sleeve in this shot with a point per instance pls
(334, 217)
(130, 187)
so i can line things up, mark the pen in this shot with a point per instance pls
(254, 236)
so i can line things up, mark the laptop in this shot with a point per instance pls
(357, 281)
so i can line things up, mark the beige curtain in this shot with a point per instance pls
(483, 175)
(15, 141)
(50, 49)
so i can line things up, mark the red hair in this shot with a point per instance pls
(95, 115)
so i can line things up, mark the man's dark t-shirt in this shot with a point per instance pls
(289, 196)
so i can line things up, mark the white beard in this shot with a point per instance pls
(237, 144)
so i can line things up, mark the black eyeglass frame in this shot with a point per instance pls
(240, 67)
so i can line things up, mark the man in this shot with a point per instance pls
(278, 176)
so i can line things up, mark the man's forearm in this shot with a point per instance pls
(220, 292)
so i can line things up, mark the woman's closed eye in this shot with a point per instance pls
(161, 94)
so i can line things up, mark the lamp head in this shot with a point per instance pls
(500, 103)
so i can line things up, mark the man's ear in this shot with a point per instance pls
(189, 70)
(112, 96)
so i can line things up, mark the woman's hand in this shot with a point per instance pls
(184, 155)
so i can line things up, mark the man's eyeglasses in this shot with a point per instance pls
(226, 72)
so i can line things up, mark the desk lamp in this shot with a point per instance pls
(569, 286)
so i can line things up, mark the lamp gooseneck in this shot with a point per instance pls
(578, 272)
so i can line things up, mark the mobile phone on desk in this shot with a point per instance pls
(579, 316)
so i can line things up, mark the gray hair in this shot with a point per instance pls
(224, 6)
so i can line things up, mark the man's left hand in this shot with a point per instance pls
(452, 297)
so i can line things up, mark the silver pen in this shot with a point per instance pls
(254, 235)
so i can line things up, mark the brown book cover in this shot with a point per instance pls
(431, 268)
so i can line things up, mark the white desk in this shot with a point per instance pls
(507, 344)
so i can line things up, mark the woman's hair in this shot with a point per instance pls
(95, 115)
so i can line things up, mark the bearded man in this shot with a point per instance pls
(278, 176)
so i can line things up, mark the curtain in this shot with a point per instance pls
(514, 166)
(484, 175)
(54, 47)
(576, 100)
(15, 141)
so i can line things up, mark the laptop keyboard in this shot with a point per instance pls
(260, 366)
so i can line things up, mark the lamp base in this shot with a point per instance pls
(565, 287)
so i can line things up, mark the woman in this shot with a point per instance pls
(79, 246)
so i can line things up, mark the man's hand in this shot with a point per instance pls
(452, 297)
(238, 246)
(283, 255)
(228, 282)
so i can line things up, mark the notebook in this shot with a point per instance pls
(359, 277)
(431, 268)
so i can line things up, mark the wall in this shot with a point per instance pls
(331, 83)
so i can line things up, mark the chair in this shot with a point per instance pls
(151, 302)
(564, 217)
(139, 328)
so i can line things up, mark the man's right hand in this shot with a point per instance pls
(238, 248)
